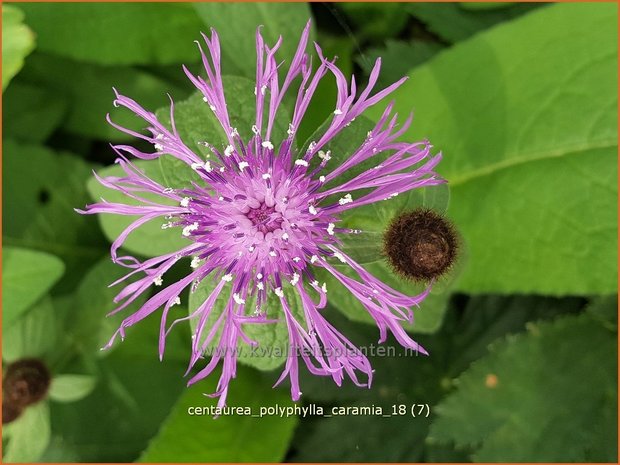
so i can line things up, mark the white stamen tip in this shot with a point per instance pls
(340, 257)
(268, 145)
(330, 229)
(346, 199)
(279, 292)
(301, 162)
(312, 210)
(227, 277)
(234, 132)
(321, 178)
(205, 99)
(185, 201)
(314, 259)
(251, 248)
(272, 254)
(261, 286)
(159, 147)
(295, 279)
(324, 288)
(187, 230)
(255, 129)
(243, 165)
(259, 276)
(177, 301)
(212, 107)
(229, 150)
(325, 156)
(195, 262)
(208, 167)
(237, 298)
(296, 259)
(285, 237)
(266, 176)
(158, 281)
(337, 111)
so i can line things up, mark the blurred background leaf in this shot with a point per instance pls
(109, 34)
(27, 276)
(17, 42)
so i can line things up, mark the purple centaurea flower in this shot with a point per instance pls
(262, 219)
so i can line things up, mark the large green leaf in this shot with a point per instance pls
(150, 239)
(228, 438)
(40, 190)
(236, 24)
(529, 136)
(31, 113)
(27, 276)
(373, 21)
(17, 42)
(529, 399)
(90, 97)
(116, 33)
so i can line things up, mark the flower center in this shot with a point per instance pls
(265, 218)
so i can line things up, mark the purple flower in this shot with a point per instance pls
(265, 218)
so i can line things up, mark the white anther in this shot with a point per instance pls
(195, 262)
(158, 281)
(321, 178)
(301, 162)
(272, 254)
(324, 288)
(255, 129)
(237, 298)
(251, 248)
(340, 257)
(266, 176)
(291, 129)
(315, 283)
(261, 286)
(337, 111)
(268, 145)
(312, 210)
(314, 259)
(311, 146)
(229, 150)
(285, 237)
(279, 292)
(259, 276)
(346, 199)
(234, 132)
(168, 190)
(212, 107)
(296, 259)
(263, 89)
(166, 225)
(208, 167)
(220, 198)
(227, 277)
(188, 229)
(185, 201)
(243, 165)
(295, 279)
(222, 169)
(326, 156)
(177, 301)
(159, 147)
(205, 99)
(330, 229)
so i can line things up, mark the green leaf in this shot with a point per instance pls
(27, 276)
(605, 309)
(228, 438)
(69, 388)
(533, 175)
(453, 23)
(29, 435)
(149, 240)
(17, 42)
(34, 335)
(272, 338)
(236, 25)
(477, 6)
(519, 393)
(40, 190)
(90, 97)
(31, 113)
(116, 34)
